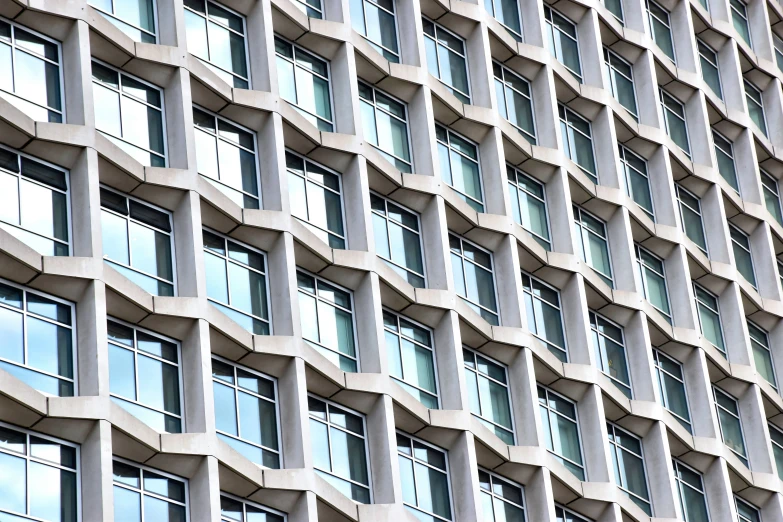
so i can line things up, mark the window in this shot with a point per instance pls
(690, 215)
(777, 448)
(577, 135)
(34, 203)
(447, 59)
(628, 460)
(690, 490)
(424, 475)
(762, 355)
(303, 81)
(507, 13)
(236, 282)
(327, 320)
(619, 78)
(660, 28)
(709, 317)
(411, 357)
(144, 376)
(637, 180)
(771, 195)
(616, 8)
(246, 411)
(755, 105)
(674, 117)
(312, 8)
(562, 42)
(515, 100)
(780, 271)
(239, 510)
(671, 386)
(226, 157)
(609, 346)
(31, 76)
(216, 35)
(730, 424)
(398, 239)
(593, 243)
(377, 22)
(488, 390)
(474, 277)
(724, 151)
(544, 315)
(136, 19)
(459, 166)
(740, 243)
(739, 17)
(340, 448)
(143, 494)
(501, 499)
(385, 125)
(315, 193)
(710, 71)
(39, 477)
(566, 515)
(778, 42)
(561, 430)
(38, 340)
(129, 112)
(746, 512)
(652, 276)
(528, 205)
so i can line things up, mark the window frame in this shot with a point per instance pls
(550, 26)
(734, 10)
(748, 249)
(393, 14)
(776, 444)
(532, 138)
(419, 233)
(620, 448)
(245, 503)
(575, 420)
(491, 492)
(758, 103)
(610, 55)
(519, 173)
(745, 459)
(477, 161)
(414, 460)
(729, 153)
(439, 27)
(507, 386)
(518, 36)
(143, 492)
(777, 44)
(398, 316)
(765, 346)
(376, 108)
(643, 266)
(568, 112)
(680, 202)
(712, 60)
(559, 307)
(740, 516)
(608, 279)
(605, 364)
(765, 188)
(662, 96)
(715, 310)
(566, 512)
(623, 151)
(658, 367)
(153, 3)
(667, 23)
(679, 483)
(492, 271)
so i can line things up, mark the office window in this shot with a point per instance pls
(134, 18)
(755, 105)
(138, 242)
(577, 135)
(528, 205)
(674, 117)
(771, 195)
(216, 35)
(777, 448)
(637, 180)
(739, 17)
(398, 239)
(34, 202)
(376, 20)
(740, 243)
(424, 475)
(240, 510)
(730, 424)
(690, 490)
(619, 78)
(141, 493)
(652, 276)
(474, 277)
(303, 81)
(562, 41)
(609, 346)
(145, 376)
(710, 71)
(616, 8)
(385, 125)
(507, 13)
(690, 215)
(226, 157)
(236, 282)
(778, 42)
(724, 151)
(327, 320)
(340, 448)
(30, 72)
(746, 512)
(780, 271)
(515, 100)
(544, 315)
(561, 430)
(312, 8)
(246, 411)
(709, 317)
(660, 28)
(39, 477)
(762, 354)
(490, 397)
(671, 386)
(593, 243)
(129, 112)
(447, 59)
(315, 194)
(411, 356)
(459, 166)
(628, 463)
(501, 499)
(566, 515)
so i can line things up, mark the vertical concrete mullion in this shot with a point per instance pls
(294, 414)
(464, 479)
(592, 429)
(451, 364)
(92, 349)
(96, 474)
(180, 138)
(261, 43)
(384, 467)
(204, 491)
(282, 287)
(197, 376)
(79, 108)
(657, 463)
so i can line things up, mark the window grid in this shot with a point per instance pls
(379, 37)
(676, 124)
(408, 450)
(507, 13)
(474, 361)
(620, 72)
(130, 483)
(619, 442)
(443, 46)
(540, 298)
(691, 217)
(730, 424)
(690, 480)
(710, 71)
(572, 128)
(746, 512)
(503, 500)
(560, 31)
(515, 100)
(671, 386)
(659, 25)
(755, 103)
(778, 43)
(651, 269)
(637, 180)
(421, 359)
(724, 151)
(743, 257)
(554, 419)
(739, 17)
(771, 195)
(776, 436)
(235, 509)
(392, 223)
(303, 64)
(459, 155)
(709, 317)
(386, 108)
(528, 205)
(467, 257)
(147, 14)
(593, 243)
(609, 344)
(762, 354)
